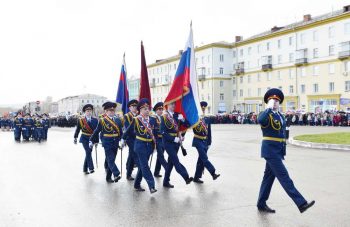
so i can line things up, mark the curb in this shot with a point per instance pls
(301, 143)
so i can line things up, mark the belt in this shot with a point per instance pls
(144, 139)
(274, 139)
(160, 136)
(86, 134)
(173, 134)
(110, 135)
(18, 124)
(200, 137)
(39, 127)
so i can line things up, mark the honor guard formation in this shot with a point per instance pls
(144, 134)
(27, 127)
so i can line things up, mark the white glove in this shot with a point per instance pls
(91, 144)
(177, 140)
(270, 104)
(181, 117)
(122, 143)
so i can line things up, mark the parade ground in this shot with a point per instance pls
(44, 185)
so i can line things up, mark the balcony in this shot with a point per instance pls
(344, 54)
(301, 61)
(201, 77)
(266, 67)
(239, 71)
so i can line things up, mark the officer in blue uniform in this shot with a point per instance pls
(202, 141)
(142, 127)
(17, 125)
(111, 131)
(86, 125)
(38, 128)
(130, 140)
(47, 125)
(27, 127)
(172, 139)
(158, 109)
(273, 150)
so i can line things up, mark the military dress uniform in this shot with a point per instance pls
(86, 126)
(47, 125)
(130, 140)
(38, 129)
(202, 141)
(17, 125)
(273, 150)
(159, 142)
(27, 127)
(111, 132)
(169, 131)
(143, 128)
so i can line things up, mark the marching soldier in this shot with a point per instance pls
(47, 125)
(172, 139)
(86, 124)
(38, 128)
(143, 128)
(202, 141)
(28, 125)
(17, 125)
(158, 109)
(130, 140)
(111, 131)
(273, 150)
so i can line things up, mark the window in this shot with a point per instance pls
(82, 101)
(259, 91)
(279, 58)
(241, 52)
(87, 101)
(315, 52)
(315, 70)
(259, 48)
(302, 88)
(202, 83)
(221, 71)
(315, 88)
(279, 75)
(221, 58)
(280, 88)
(331, 86)
(279, 43)
(258, 77)
(221, 83)
(209, 71)
(268, 46)
(221, 97)
(347, 28)
(331, 32)
(331, 50)
(241, 79)
(234, 93)
(347, 66)
(233, 80)
(290, 41)
(268, 76)
(249, 78)
(241, 92)
(315, 36)
(203, 59)
(234, 53)
(302, 38)
(249, 50)
(249, 92)
(347, 85)
(302, 71)
(331, 68)
(291, 74)
(291, 89)
(291, 57)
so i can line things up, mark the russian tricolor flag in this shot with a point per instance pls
(184, 90)
(123, 93)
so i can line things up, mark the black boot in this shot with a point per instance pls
(306, 206)
(189, 180)
(198, 181)
(266, 209)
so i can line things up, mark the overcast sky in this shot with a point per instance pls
(67, 47)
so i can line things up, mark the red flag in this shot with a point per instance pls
(145, 91)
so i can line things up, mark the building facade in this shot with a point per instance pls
(308, 60)
(74, 104)
(133, 87)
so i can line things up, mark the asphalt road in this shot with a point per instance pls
(43, 185)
